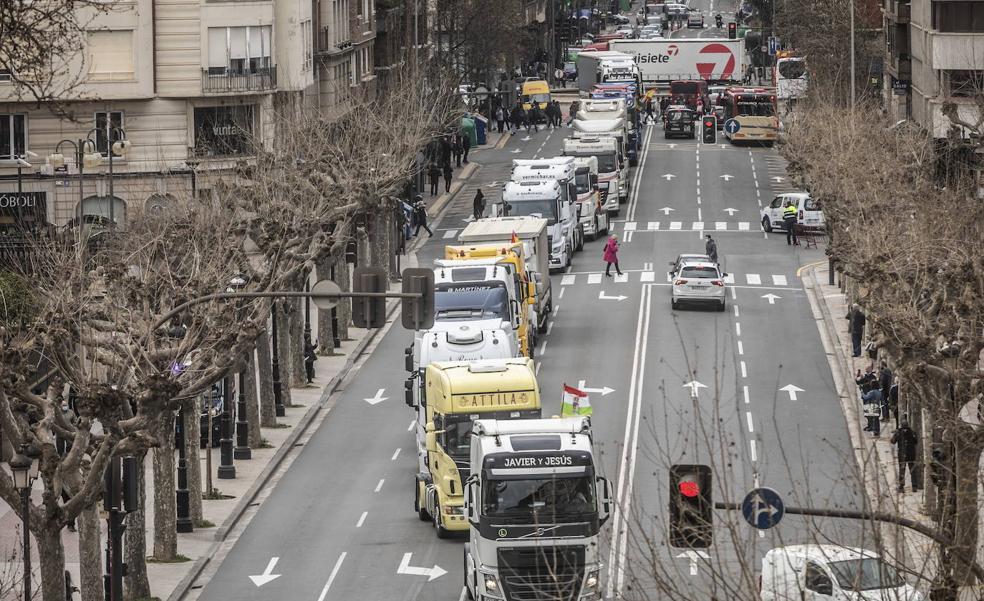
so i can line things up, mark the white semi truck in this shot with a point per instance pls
(560, 169)
(548, 200)
(535, 508)
(610, 173)
(598, 66)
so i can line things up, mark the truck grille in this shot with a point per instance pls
(604, 195)
(539, 573)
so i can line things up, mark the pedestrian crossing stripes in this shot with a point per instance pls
(748, 279)
(691, 226)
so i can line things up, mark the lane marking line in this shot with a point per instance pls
(379, 485)
(751, 444)
(331, 577)
(396, 454)
(410, 427)
(543, 348)
(741, 348)
(561, 295)
(748, 418)
(362, 519)
(744, 371)
(550, 327)
(737, 329)
(744, 391)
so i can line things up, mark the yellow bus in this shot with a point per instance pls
(537, 91)
(754, 110)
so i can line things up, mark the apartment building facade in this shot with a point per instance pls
(192, 85)
(346, 35)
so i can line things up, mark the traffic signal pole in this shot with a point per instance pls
(874, 516)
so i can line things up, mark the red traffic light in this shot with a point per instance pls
(689, 488)
(708, 123)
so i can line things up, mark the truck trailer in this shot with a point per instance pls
(661, 61)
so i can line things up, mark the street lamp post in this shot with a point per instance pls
(227, 470)
(182, 495)
(119, 147)
(82, 160)
(278, 401)
(242, 450)
(24, 471)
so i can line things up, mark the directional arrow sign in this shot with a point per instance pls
(602, 391)
(603, 296)
(792, 390)
(771, 298)
(666, 210)
(694, 387)
(668, 176)
(267, 575)
(492, 184)
(763, 508)
(778, 179)
(431, 573)
(516, 151)
(693, 556)
(379, 398)
(727, 177)
(731, 212)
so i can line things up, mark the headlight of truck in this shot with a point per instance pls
(592, 585)
(491, 584)
(454, 510)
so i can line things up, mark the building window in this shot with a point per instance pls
(239, 50)
(115, 124)
(110, 55)
(965, 83)
(13, 136)
(5, 75)
(224, 130)
(958, 17)
(307, 41)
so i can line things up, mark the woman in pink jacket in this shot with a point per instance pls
(611, 255)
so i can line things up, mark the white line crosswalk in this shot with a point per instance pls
(750, 279)
(693, 226)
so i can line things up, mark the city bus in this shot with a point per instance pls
(754, 109)
(789, 78)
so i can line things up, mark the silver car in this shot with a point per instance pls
(698, 281)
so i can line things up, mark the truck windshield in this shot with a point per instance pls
(545, 208)
(583, 182)
(542, 499)
(606, 163)
(471, 300)
(456, 439)
(865, 574)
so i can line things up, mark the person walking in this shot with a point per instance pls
(310, 356)
(905, 441)
(420, 214)
(650, 111)
(885, 383)
(478, 205)
(445, 150)
(559, 77)
(500, 119)
(871, 404)
(789, 222)
(558, 114)
(448, 174)
(456, 149)
(548, 115)
(572, 115)
(535, 116)
(465, 147)
(434, 173)
(518, 118)
(611, 256)
(855, 326)
(711, 249)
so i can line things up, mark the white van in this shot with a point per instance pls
(831, 573)
(808, 213)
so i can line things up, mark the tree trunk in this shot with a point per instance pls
(930, 502)
(344, 308)
(295, 330)
(254, 436)
(283, 356)
(193, 458)
(90, 554)
(136, 585)
(378, 240)
(264, 361)
(165, 516)
(326, 337)
(967, 456)
(52, 554)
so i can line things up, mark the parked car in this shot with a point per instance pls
(809, 216)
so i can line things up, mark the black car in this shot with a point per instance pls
(679, 121)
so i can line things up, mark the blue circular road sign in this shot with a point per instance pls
(763, 508)
(731, 126)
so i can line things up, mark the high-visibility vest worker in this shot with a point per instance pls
(789, 212)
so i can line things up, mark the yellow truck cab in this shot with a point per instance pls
(537, 91)
(510, 257)
(456, 394)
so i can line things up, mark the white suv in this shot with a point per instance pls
(808, 213)
(697, 281)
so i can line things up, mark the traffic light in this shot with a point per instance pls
(418, 314)
(369, 312)
(691, 506)
(732, 31)
(709, 129)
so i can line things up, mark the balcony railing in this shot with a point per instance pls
(230, 82)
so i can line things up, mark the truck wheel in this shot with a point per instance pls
(580, 239)
(547, 311)
(420, 509)
(570, 252)
(468, 590)
(674, 304)
(721, 307)
(442, 532)
(766, 224)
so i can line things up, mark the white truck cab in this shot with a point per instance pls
(592, 213)
(609, 128)
(605, 151)
(563, 171)
(549, 200)
(831, 573)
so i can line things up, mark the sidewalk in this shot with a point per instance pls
(875, 456)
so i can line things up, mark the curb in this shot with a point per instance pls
(184, 585)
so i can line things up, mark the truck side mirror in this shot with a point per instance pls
(471, 498)
(517, 317)
(408, 392)
(408, 359)
(593, 178)
(531, 292)
(605, 508)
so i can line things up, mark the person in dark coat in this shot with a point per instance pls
(448, 174)
(855, 325)
(711, 249)
(420, 215)
(456, 149)
(310, 356)
(465, 147)
(572, 111)
(517, 118)
(534, 117)
(434, 173)
(478, 205)
(870, 401)
(445, 150)
(885, 383)
(905, 442)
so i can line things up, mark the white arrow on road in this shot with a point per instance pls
(267, 575)
(778, 179)
(603, 296)
(731, 212)
(431, 573)
(672, 146)
(666, 210)
(516, 151)
(379, 398)
(527, 138)
(771, 298)
(694, 386)
(668, 176)
(792, 389)
(693, 556)
(727, 177)
(602, 391)
(492, 184)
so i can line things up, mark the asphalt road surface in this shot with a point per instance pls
(690, 386)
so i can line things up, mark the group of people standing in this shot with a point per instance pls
(451, 147)
(518, 117)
